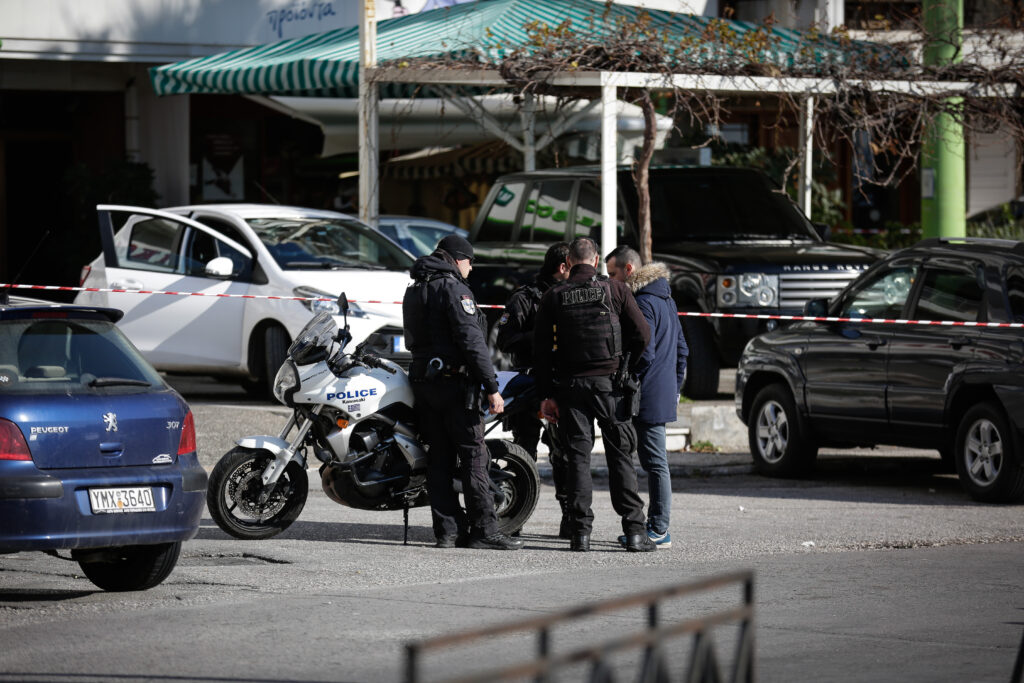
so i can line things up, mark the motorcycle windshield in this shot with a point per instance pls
(316, 335)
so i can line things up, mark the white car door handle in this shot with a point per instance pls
(126, 284)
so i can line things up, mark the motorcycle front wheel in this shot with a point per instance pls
(517, 495)
(233, 495)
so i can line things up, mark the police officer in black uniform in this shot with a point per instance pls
(444, 330)
(584, 327)
(515, 337)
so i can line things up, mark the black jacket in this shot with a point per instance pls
(515, 326)
(599, 345)
(442, 320)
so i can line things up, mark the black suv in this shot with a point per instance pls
(734, 244)
(958, 389)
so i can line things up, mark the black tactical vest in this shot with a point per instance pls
(586, 325)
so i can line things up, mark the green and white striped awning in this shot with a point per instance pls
(327, 64)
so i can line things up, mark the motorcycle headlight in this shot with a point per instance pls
(285, 382)
(319, 305)
(748, 289)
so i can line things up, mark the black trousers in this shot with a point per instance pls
(455, 437)
(581, 401)
(526, 432)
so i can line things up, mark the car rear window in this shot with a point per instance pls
(62, 355)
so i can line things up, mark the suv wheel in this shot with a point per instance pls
(778, 440)
(702, 363)
(987, 459)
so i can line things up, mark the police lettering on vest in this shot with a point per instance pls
(582, 295)
(586, 326)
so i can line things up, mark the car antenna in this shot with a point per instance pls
(17, 278)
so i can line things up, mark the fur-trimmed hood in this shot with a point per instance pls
(646, 275)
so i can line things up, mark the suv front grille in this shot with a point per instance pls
(795, 289)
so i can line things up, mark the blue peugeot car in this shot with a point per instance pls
(97, 453)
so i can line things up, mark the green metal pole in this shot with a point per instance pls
(943, 168)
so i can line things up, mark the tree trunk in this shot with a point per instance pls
(642, 174)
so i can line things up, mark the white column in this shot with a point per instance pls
(609, 166)
(806, 154)
(369, 102)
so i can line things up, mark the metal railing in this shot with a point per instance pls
(702, 665)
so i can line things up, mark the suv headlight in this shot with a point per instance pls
(748, 289)
(330, 307)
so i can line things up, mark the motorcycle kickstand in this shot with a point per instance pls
(405, 517)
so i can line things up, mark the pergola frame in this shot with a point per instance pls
(609, 82)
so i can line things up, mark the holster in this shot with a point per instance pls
(631, 393)
(473, 391)
(629, 384)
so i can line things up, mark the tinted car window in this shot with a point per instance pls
(588, 212)
(68, 356)
(881, 296)
(319, 243)
(721, 206)
(501, 218)
(154, 245)
(949, 295)
(1015, 294)
(547, 211)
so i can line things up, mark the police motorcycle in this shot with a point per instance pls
(354, 413)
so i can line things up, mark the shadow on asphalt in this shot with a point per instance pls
(384, 533)
(880, 479)
(36, 595)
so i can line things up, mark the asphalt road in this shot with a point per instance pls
(877, 568)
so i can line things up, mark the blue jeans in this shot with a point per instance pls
(651, 450)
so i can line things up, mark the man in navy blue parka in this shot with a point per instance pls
(661, 373)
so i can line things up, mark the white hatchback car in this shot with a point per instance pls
(250, 250)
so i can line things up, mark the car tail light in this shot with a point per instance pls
(12, 442)
(83, 275)
(188, 436)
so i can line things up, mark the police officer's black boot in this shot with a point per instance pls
(579, 543)
(565, 526)
(496, 541)
(640, 543)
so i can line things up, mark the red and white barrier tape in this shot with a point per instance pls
(694, 314)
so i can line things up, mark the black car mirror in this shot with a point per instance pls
(343, 304)
(824, 230)
(816, 308)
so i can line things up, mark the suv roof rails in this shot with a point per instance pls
(1015, 246)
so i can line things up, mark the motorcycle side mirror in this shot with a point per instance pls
(344, 336)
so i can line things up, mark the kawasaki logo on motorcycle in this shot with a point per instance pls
(351, 395)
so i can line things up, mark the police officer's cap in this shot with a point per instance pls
(457, 247)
